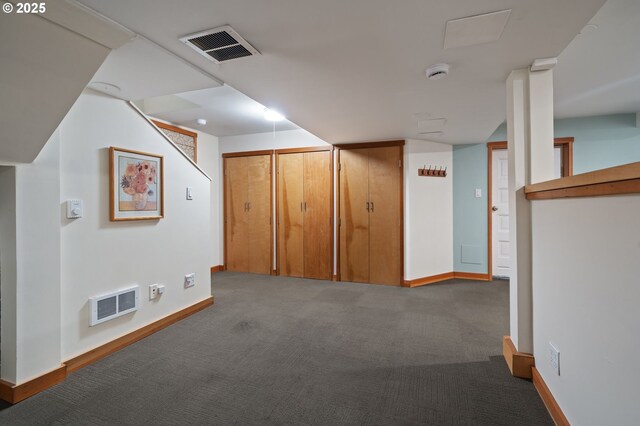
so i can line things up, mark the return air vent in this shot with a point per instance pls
(110, 306)
(219, 44)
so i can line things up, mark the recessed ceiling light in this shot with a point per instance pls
(201, 121)
(437, 71)
(271, 115)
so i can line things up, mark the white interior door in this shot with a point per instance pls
(557, 167)
(501, 259)
(500, 209)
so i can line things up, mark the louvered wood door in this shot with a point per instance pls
(385, 253)
(259, 214)
(354, 215)
(235, 216)
(291, 214)
(318, 226)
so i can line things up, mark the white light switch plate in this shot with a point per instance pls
(554, 358)
(478, 192)
(189, 193)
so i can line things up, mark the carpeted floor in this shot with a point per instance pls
(290, 351)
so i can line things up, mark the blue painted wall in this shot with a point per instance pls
(599, 142)
(469, 212)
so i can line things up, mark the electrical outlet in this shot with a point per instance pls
(153, 291)
(189, 280)
(554, 358)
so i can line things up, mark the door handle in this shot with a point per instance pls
(494, 208)
(372, 207)
(305, 206)
(248, 206)
(368, 206)
(245, 207)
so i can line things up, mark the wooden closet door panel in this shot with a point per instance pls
(290, 215)
(318, 228)
(384, 218)
(259, 214)
(235, 215)
(354, 217)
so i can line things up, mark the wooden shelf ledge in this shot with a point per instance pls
(614, 180)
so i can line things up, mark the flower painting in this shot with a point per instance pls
(136, 185)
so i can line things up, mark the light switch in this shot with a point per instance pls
(74, 209)
(478, 192)
(189, 193)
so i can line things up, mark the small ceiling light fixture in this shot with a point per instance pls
(271, 115)
(437, 71)
(201, 121)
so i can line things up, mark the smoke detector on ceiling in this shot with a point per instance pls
(437, 71)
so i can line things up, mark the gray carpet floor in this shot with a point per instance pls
(279, 350)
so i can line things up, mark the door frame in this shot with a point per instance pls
(286, 151)
(566, 144)
(384, 144)
(226, 155)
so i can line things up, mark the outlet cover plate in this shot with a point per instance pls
(189, 280)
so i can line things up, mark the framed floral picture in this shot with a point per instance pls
(136, 185)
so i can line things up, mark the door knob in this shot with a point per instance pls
(494, 208)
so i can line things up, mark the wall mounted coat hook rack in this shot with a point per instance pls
(433, 171)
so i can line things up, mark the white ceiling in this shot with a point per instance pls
(599, 72)
(227, 111)
(354, 71)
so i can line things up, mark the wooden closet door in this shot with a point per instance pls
(354, 217)
(236, 226)
(318, 228)
(290, 215)
(385, 215)
(259, 213)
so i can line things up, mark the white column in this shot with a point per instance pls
(530, 150)
(541, 125)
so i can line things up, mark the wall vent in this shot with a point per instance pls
(220, 44)
(113, 305)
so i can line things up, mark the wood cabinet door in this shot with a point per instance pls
(318, 227)
(290, 255)
(385, 224)
(354, 215)
(235, 215)
(259, 214)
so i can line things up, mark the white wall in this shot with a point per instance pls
(586, 293)
(208, 159)
(259, 141)
(8, 273)
(99, 256)
(38, 262)
(428, 210)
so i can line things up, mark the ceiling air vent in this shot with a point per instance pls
(220, 44)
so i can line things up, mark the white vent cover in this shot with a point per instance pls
(110, 306)
(220, 44)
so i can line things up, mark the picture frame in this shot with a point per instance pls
(136, 185)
